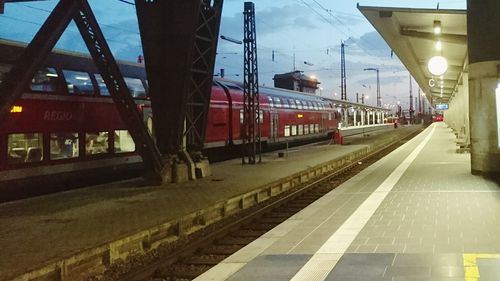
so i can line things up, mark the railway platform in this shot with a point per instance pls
(416, 214)
(66, 235)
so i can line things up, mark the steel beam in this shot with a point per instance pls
(103, 58)
(35, 53)
(179, 40)
(202, 67)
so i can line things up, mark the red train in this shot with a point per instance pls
(66, 124)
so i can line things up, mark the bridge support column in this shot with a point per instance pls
(355, 117)
(484, 88)
(362, 117)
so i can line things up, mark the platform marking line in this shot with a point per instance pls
(470, 265)
(340, 241)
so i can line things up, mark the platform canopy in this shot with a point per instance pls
(410, 34)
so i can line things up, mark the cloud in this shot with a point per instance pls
(270, 20)
(372, 43)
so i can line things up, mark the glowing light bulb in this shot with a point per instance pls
(437, 27)
(437, 65)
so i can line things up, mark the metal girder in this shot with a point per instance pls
(103, 58)
(18, 77)
(179, 40)
(202, 68)
(43, 42)
(251, 129)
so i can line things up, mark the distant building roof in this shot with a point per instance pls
(296, 81)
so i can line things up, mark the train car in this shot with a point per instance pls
(286, 116)
(65, 124)
(437, 118)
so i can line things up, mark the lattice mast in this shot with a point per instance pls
(251, 128)
(411, 102)
(343, 78)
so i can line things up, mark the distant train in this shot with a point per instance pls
(66, 123)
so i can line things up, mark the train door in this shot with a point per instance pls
(274, 125)
(323, 122)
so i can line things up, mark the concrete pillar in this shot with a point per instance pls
(355, 117)
(368, 118)
(484, 72)
(362, 117)
(383, 117)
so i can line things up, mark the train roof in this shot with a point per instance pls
(11, 50)
(294, 94)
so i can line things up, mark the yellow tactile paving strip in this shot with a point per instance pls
(470, 265)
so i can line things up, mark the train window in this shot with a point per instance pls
(311, 128)
(78, 82)
(316, 128)
(310, 105)
(135, 87)
(103, 89)
(285, 103)
(301, 129)
(261, 116)
(299, 104)
(64, 146)
(270, 101)
(96, 143)
(287, 130)
(25, 148)
(277, 102)
(45, 80)
(294, 130)
(306, 129)
(304, 104)
(123, 142)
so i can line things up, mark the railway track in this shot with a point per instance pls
(197, 254)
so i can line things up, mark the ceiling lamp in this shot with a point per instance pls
(439, 46)
(437, 27)
(437, 65)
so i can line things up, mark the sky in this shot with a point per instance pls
(297, 31)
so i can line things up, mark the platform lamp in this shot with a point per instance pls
(378, 84)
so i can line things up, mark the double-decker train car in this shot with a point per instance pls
(65, 127)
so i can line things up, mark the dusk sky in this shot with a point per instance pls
(310, 29)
